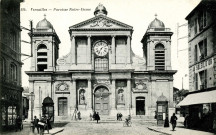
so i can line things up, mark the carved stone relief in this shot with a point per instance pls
(101, 23)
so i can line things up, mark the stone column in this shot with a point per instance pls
(129, 49)
(168, 55)
(73, 102)
(113, 94)
(113, 98)
(128, 100)
(73, 50)
(89, 49)
(31, 89)
(113, 50)
(89, 95)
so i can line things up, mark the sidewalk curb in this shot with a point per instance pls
(158, 131)
(57, 132)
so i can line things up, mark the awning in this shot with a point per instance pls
(199, 98)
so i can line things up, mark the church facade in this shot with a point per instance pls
(100, 72)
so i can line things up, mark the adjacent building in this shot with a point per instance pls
(200, 103)
(100, 72)
(10, 67)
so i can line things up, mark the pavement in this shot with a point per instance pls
(28, 131)
(179, 130)
(106, 127)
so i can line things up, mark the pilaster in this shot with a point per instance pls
(113, 50)
(128, 101)
(89, 49)
(73, 94)
(73, 50)
(129, 49)
(89, 95)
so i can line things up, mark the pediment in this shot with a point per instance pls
(101, 22)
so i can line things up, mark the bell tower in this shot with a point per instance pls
(157, 46)
(45, 47)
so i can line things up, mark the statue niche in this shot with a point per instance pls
(82, 97)
(120, 96)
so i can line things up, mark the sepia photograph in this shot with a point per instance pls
(108, 67)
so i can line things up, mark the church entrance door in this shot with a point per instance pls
(102, 100)
(140, 106)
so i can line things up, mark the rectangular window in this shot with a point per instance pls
(202, 20)
(203, 49)
(195, 26)
(195, 53)
(101, 64)
(196, 81)
(62, 106)
(203, 79)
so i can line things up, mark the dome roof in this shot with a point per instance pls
(100, 10)
(162, 98)
(44, 24)
(156, 24)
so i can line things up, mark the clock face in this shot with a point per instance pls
(101, 48)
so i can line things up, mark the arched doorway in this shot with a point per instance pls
(140, 106)
(101, 99)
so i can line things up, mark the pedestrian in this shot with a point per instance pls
(42, 124)
(47, 124)
(90, 117)
(186, 121)
(94, 115)
(173, 120)
(79, 115)
(18, 123)
(166, 122)
(97, 117)
(35, 124)
(117, 116)
(120, 117)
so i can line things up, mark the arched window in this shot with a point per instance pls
(13, 72)
(3, 67)
(120, 96)
(101, 64)
(82, 97)
(41, 57)
(159, 57)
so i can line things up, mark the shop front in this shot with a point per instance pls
(200, 110)
(10, 108)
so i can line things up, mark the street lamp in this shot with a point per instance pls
(32, 95)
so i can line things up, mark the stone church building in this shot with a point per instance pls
(100, 72)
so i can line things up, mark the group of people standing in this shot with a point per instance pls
(119, 116)
(41, 125)
(95, 116)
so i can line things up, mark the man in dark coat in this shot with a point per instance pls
(18, 123)
(173, 121)
(97, 117)
(94, 115)
(35, 124)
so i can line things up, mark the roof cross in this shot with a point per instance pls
(44, 16)
(155, 15)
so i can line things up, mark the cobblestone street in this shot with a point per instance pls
(106, 128)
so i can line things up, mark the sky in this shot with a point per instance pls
(137, 13)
